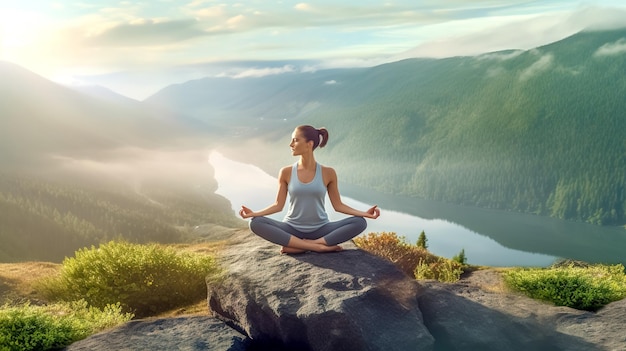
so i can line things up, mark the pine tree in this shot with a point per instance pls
(460, 257)
(421, 241)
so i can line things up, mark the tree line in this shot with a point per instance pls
(45, 220)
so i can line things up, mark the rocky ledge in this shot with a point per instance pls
(352, 300)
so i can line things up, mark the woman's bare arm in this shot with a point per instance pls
(330, 178)
(281, 197)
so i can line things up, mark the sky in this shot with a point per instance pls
(136, 48)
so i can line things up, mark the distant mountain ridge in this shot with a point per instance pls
(539, 131)
(41, 118)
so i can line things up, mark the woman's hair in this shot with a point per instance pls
(318, 136)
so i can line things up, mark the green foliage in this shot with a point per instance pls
(442, 269)
(422, 241)
(414, 260)
(26, 327)
(144, 279)
(460, 257)
(584, 288)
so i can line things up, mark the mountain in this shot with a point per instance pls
(539, 131)
(79, 169)
(42, 120)
(44, 219)
(102, 93)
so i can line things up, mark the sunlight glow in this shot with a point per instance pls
(18, 31)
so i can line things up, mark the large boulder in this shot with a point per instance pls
(348, 300)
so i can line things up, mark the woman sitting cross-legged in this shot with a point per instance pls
(306, 226)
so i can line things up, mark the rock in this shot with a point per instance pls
(604, 328)
(464, 316)
(349, 300)
(181, 333)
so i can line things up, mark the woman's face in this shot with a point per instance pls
(298, 144)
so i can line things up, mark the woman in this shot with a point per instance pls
(306, 226)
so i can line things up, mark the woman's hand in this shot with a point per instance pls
(373, 212)
(245, 212)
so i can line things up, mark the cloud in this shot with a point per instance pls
(210, 12)
(261, 72)
(542, 64)
(330, 82)
(599, 18)
(135, 166)
(616, 48)
(495, 71)
(474, 36)
(500, 56)
(145, 32)
(87, 38)
(303, 7)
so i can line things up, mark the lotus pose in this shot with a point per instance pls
(306, 226)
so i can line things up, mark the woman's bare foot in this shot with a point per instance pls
(301, 245)
(291, 250)
(324, 247)
(327, 248)
(319, 248)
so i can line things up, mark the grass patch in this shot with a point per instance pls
(17, 280)
(144, 279)
(584, 288)
(414, 260)
(26, 327)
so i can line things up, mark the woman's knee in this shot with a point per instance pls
(360, 223)
(256, 223)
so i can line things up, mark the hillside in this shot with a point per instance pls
(81, 168)
(540, 131)
(47, 220)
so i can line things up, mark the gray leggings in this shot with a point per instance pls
(333, 232)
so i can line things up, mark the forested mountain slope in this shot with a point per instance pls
(540, 131)
(48, 220)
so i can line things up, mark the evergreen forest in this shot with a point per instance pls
(42, 219)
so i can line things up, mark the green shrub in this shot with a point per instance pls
(414, 260)
(443, 270)
(583, 288)
(460, 257)
(144, 279)
(395, 249)
(51, 327)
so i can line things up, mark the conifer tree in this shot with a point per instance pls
(460, 257)
(421, 241)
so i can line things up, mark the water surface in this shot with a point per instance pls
(489, 237)
(244, 184)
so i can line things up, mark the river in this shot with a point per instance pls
(488, 237)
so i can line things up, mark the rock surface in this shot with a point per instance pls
(182, 333)
(352, 300)
(349, 300)
(477, 314)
